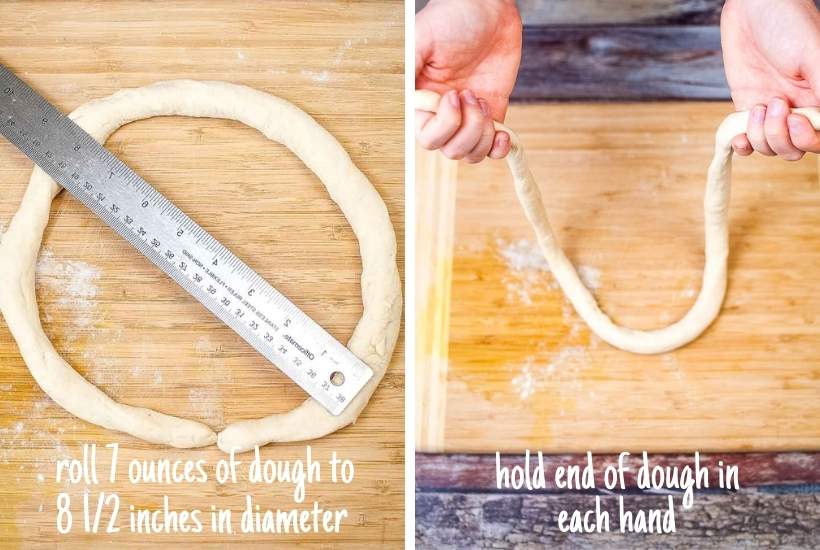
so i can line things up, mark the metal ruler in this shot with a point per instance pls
(200, 264)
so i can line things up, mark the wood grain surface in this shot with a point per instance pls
(623, 185)
(436, 184)
(756, 519)
(777, 506)
(136, 334)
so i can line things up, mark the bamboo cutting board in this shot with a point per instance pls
(135, 333)
(623, 185)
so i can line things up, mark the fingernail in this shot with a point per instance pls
(759, 113)
(470, 97)
(452, 96)
(777, 107)
(794, 123)
(484, 107)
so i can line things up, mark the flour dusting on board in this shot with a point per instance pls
(590, 276)
(537, 374)
(24, 434)
(555, 368)
(103, 371)
(73, 283)
(522, 255)
(72, 287)
(529, 273)
(206, 402)
(689, 292)
(527, 270)
(345, 47)
(670, 363)
(207, 405)
(317, 76)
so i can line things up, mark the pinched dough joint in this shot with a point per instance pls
(716, 220)
(373, 339)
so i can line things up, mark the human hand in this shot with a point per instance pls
(771, 51)
(468, 51)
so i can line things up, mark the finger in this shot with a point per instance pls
(777, 130)
(803, 134)
(742, 146)
(485, 143)
(469, 134)
(756, 133)
(501, 145)
(443, 125)
(422, 118)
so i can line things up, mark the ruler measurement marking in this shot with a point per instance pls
(146, 218)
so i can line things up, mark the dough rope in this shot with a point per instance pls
(716, 225)
(372, 341)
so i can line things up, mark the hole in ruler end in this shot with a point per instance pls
(337, 378)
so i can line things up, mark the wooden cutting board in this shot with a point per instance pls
(623, 185)
(342, 62)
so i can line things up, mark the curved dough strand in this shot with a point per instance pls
(373, 339)
(716, 225)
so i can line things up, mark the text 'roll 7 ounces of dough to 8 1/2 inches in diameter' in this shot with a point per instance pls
(207, 270)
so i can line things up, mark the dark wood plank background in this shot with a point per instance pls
(591, 12)
(598, 12)
(624, 51)
(621, 63)
(458, 506)
(615, 50)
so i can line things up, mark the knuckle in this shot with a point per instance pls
(776, 131)
(810, 144)
(758, 142)
(757, 139)
(426, 142)
(450, 118)
(451, 154)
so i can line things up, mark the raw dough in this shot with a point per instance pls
(716, 209)
(373, 339)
